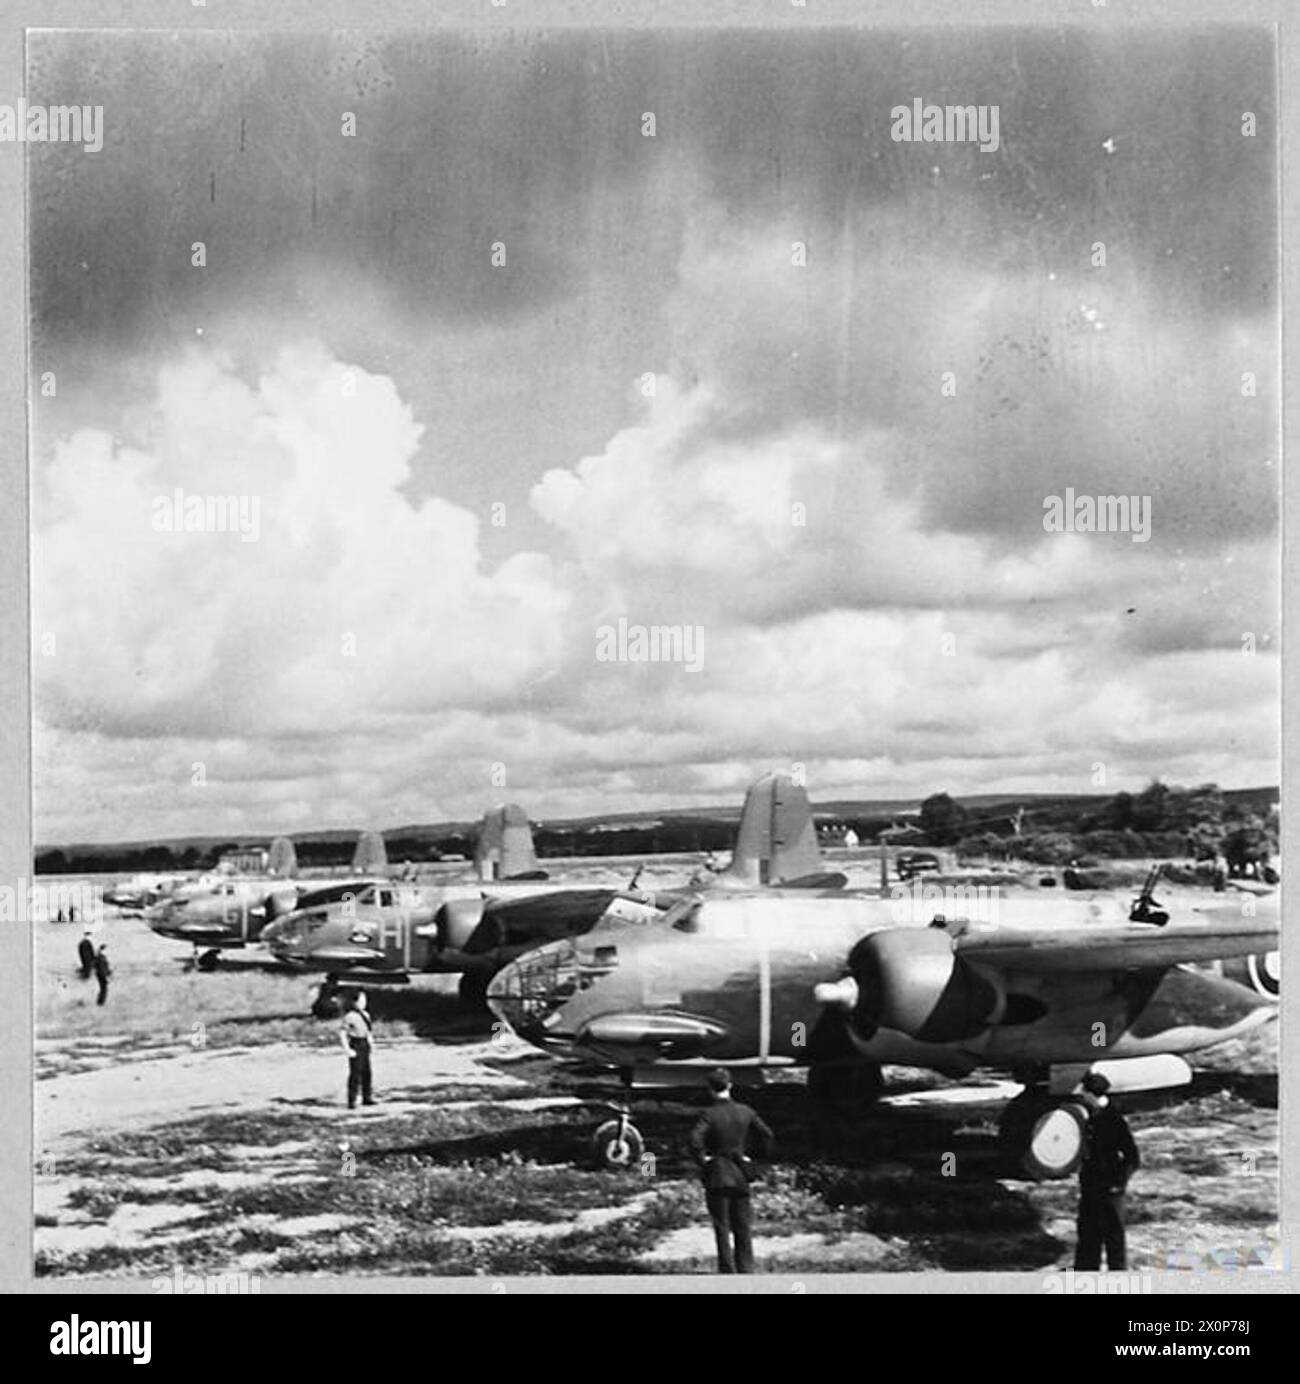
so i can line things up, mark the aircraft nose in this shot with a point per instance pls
(533, 988)
(281, 935)
(158, 916)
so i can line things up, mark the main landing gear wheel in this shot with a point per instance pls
(617, 1146)
(1042, 1135)
(327, 1004)
(209, 961)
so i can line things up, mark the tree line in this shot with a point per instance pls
(1161, 821)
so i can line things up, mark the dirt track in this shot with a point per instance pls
(158, 1087)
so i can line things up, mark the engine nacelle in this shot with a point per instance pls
(281, 900)
(912, 981)
(457, 919)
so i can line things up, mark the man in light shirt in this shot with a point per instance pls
(358, 1039)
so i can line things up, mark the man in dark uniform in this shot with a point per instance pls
(102, 972)
(1110, 1158)
(357, 1042)
(86, 955)
(718, 1147)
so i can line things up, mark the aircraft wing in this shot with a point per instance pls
(538, 918)
(1252, 886)
(1101, 947)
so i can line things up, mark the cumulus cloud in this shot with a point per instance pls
(351, 604)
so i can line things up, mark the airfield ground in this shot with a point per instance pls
(197, 1122)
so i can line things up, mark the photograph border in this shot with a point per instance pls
(17, 17)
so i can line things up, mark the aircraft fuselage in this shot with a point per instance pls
(736, 984)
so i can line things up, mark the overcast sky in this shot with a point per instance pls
(350, 356)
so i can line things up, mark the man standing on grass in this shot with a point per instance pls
(86, 955)
(1110, 1158)
(102, 972)
(718, 1146)
(358, 1039)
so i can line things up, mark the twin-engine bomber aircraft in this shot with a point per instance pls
(390, 931)
(838, 986)
(231, 912)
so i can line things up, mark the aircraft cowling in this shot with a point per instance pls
(280, 902)
(910, 980)
(457, 919)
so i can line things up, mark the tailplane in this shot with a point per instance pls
(282, 860)
(504, 849)
(370, 856)
(776, 842)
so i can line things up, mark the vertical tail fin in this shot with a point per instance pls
(504, 849)
(370, 856)
(282, 860)
(776, 842)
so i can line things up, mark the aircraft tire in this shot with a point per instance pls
(1042, 1135)
(613, 1153)
(328, 1004)
(209, 961)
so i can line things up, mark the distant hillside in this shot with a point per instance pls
(666, 831)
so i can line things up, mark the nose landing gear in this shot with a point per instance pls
(617, 1145)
